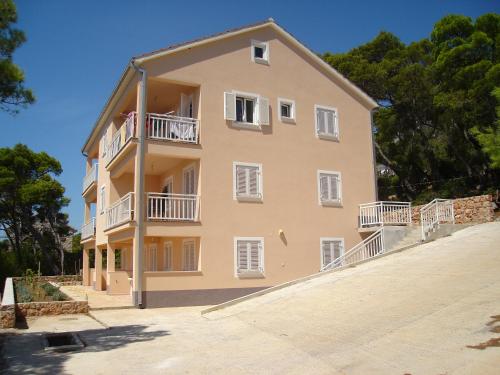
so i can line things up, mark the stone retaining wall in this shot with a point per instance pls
(58, 279)
(478, 209)
(7, 316)
(27, 309)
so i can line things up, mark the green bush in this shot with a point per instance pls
(22, 293)
(58, 296)
(49, 289)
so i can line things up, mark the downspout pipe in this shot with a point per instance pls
(139, 184)
(374, 152)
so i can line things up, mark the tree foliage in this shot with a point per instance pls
(436, 128)
(31, 200)
(13, 94)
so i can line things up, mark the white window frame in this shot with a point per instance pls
(331, 137)
(257, 198)
(291, 103)
(330, 239)
(171, 244)
(152, 257)
(248, 96)
(196, 255)
(338, 202)
(265, 46)
(249, 274)
(102, 199)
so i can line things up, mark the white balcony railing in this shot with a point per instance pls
(175, 207)
(434, 213)
(121, 211)
(384, 213)
(121, 137)
(88, 229)
(172, 128)
(90, 178)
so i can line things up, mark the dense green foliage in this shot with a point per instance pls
(436, 128)
(31, 200)
(13, 94)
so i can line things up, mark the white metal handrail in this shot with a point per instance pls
(434, 213)
(384, 213)
(88, 229)
(178, 207)
(368, 248)
(172, 128)
(121, 211)
(91, 177)
(121, 137)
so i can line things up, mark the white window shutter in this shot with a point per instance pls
(323, 187)
(254, 255)
(253, 181)
(263, 105)
(327, 253)
(320, 121)
(242, 256)
(230, 106)
(241, 180)
(334, 187)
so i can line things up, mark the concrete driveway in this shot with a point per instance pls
(421, 311)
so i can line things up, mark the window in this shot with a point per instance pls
(167, 256)
(249, 256)
(260, 52)
(189, 180)
(327, 126)
(331, 249)
(150, 255)
(246, 109)
(189, 258)
(329, 188)
(102, 199)
(286, 110)
(247, 181)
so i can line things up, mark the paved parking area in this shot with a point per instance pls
(428, 310)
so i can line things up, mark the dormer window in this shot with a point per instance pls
(260, 52)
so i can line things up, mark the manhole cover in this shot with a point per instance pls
(62, 342)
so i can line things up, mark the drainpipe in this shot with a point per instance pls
(374, 153)
(139, 185)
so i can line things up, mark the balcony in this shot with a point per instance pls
(88, 230)
(172, 207)
(120, 212)
(160, 207)
(384, 213)
(159, 127)
(90, 179)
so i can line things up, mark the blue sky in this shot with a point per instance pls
(76, 51)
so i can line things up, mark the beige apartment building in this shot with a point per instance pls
(223, 166)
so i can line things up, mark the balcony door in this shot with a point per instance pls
(186, 109)
(189, 182)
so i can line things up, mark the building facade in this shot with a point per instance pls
(223, 166)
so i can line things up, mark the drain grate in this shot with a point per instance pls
(62, 342)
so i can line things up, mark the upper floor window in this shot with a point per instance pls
(286, 110)
(249, 256)
(329, 188)
(327, 125)
(260, 52)
(247, 181)
(246, 109)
